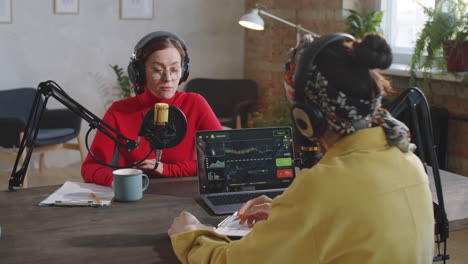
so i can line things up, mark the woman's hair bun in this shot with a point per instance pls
(373, 52)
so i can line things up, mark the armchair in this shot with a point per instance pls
(57, 127)
(232, 100)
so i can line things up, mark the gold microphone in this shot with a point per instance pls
(161, 114)
(160, 131)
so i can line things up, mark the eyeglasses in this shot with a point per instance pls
(174, 73)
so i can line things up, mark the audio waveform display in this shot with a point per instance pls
(216, 165)
(249, 160)
(262, 149)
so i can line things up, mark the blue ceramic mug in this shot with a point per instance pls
(128, 184)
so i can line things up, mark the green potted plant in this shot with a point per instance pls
(446, 28)
(123, 82)
(275, 113)
(358, 24)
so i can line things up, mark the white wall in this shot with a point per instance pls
(75, 50)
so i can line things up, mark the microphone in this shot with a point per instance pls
(164, 126)
(161, 114)
(309, 155)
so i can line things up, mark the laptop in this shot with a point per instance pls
(237, 165)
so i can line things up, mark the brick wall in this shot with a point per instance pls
(265, 54)
(266, 51)
(454, 97)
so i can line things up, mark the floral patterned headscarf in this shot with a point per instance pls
(344, 113)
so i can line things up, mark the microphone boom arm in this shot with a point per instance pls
(414, 101)
(51, 89)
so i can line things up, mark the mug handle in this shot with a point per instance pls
(146, 180)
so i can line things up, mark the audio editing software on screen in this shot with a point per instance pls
(245, 159)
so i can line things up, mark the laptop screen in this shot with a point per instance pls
(245, 159)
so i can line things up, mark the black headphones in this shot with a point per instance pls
(308, 118)
(136, 67)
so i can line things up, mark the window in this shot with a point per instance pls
(402, 22)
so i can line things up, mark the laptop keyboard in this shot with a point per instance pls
(240, 198)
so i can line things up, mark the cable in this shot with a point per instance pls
(132, 164)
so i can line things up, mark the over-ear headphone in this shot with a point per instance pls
(136, 67)
(308, 118)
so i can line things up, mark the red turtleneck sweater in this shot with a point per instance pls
(126, 117)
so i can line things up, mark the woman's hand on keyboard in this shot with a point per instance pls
(255, 210)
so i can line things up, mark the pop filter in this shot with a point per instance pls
(166, 134)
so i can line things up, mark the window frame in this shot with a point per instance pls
(401, 55)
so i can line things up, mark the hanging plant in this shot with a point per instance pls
(447, 26)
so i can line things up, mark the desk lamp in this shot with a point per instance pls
(309, 154)
(252, 20)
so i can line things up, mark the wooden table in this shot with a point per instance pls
(134, 232)
(128, 232)
(454, 188)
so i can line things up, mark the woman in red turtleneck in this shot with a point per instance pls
(164, 59)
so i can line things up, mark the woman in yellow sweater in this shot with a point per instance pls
(366, 201)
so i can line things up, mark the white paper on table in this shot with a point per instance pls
(79, 194)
